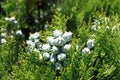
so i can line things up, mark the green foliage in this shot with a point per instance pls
(82, 10)
(58, 22)
(87, 19)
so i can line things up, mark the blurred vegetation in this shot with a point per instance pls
(86, 19)
(81, 11)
